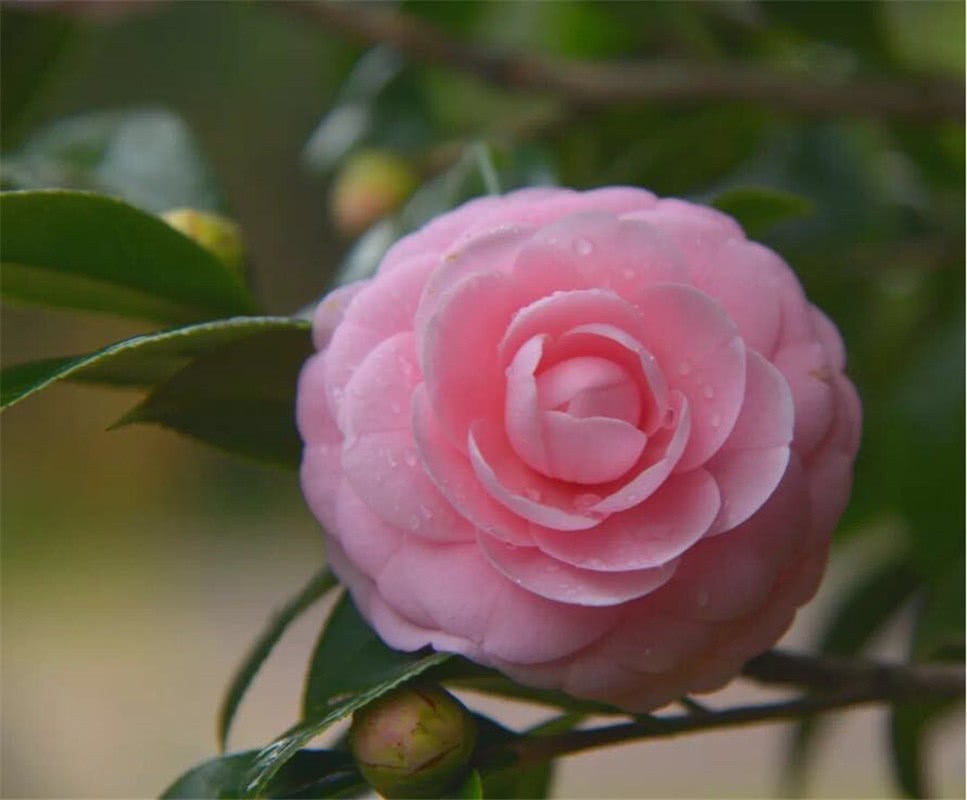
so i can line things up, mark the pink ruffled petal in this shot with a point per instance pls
(807, 370)
(373, 317)
(330, 311)
(320, 476)
(377, 397)
(313, 418)
(753, 460)
(596, 249)
(452, 474)
(663, 452)
(589, 386)
(829, 337)
(469, 386)
(649, 640)
(701, 355)
(385, 470)
(654, 533)
(492, 251)
(457, 590)
(533, 570)
(590, 450)
(522, 490)
(613, 344)
(522, 407)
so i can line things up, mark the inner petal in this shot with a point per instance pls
(589, 386)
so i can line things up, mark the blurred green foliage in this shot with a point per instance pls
(245, 108)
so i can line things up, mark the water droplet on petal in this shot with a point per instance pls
(685, 367)
(628, 273)
(426, 512)
(715, 420)
(409, 456)
(670, 418)
(532, 494)
(585, 500)
(414, 522)
(394, 407)
(583, 247)
(708, 391)
(703, 598)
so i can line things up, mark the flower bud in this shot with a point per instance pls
(217, 234)
(413, 742)
(370, 185)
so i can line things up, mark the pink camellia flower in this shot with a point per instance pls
(596, 440)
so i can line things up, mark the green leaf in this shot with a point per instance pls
(759, 208)
(909, 725)
(868, 605)
(239, 397)
(310, 774)
(348, 658)
(461, 673)
(472, 788)
(141, 361)
(318, 585)
(92, 253)
(272, 758)
(146, 157)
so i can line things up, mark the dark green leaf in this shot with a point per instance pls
(138, 362)
(239, 397)
(472, 788)
(146, 157)
(318, 585)
(309, 774)
(939, 631)
(93, 253)
(759, 208)
(909, 725)
(31, 44)
(272, 758)
(868, 605)
(348, 658)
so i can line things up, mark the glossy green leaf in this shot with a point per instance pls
(92, 253)
(759, 208)
(141, 361)
(318, 585)
(867, 607)
(272, 758)
(471, 788)
(348, 658)
(239, 396)
(309, 774)
(146, 157)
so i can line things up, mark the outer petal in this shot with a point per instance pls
(331, 310)
(533, 570)
(654, 533)
(810, 378)
(377, 397)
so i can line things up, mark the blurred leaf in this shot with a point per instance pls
(318, 585)
(31, 44)
(271, 759)
(93, 253)
(927, 37)
(348, 659)
(939, 630)
(909, 726)
(869, 604)
(758, 208)
(146, 157)
(138, 362)
(472, 788)
(461, 673)
(239, 396)
(309, 774)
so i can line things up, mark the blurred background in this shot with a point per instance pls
(137, 565)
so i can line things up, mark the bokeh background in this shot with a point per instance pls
(137, 565)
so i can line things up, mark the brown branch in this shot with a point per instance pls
(588, 83)
(846, 683)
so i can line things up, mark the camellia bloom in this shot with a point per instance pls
(596, 440)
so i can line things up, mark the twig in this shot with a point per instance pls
(864, 683)
(589, 83)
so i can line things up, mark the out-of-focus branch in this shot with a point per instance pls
(839, 683)
(587, 83)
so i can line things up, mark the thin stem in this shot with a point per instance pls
(587, 83)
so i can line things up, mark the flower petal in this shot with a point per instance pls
(537, 572)
(590, 449)
(654, 533)
(377, 397)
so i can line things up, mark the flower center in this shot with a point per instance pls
(588, 386)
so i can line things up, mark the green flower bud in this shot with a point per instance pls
(414, 742)
(219, 235)
(370, 185)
